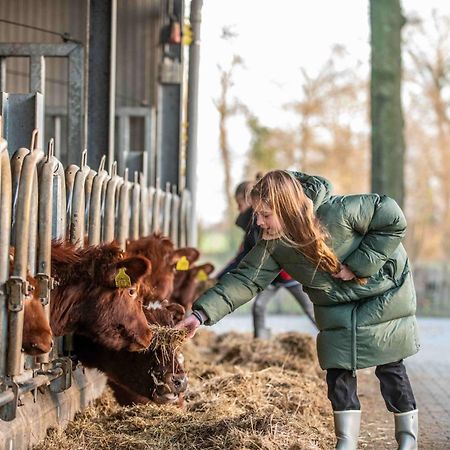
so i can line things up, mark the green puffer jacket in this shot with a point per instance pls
(360, 325)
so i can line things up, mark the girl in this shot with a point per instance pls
(346, 251)
(247, 222)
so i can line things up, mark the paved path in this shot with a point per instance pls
(429, 372)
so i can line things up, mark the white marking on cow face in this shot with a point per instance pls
(153, 305)
(180, 358)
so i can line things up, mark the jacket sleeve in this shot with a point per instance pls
(382, 224)
(254, 273)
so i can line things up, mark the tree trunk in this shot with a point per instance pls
(388, 145)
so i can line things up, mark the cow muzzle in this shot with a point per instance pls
(171, 389)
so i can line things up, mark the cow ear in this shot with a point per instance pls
(190, 253)
(177, 312)
(136, 267)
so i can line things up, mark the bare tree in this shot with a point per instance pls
(428, 122)
(227, 107)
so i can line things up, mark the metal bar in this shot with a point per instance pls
(2, 74)
(144, 208)
(33, 227)
(135, 207)
(75, 104)
(46, 202)
(26, 49)
(151, 135)
(5, 227)
(133, 111)
(123, 225)
(57, 135)
(70, 174)
(112, 73)
(87, 197)
(156, 210)
(18, 284)
(192, 110)
(175, 213)
(16, 169)
(94, 232)
(123, 147)
(101, 80)
(110, 204)
(151, 193)
(30, 385)
(37, 74)
(76, 231)
(167, 210)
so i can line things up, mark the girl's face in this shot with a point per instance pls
(268, 222)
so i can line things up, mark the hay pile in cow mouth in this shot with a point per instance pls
(244, 394)
(167, 340)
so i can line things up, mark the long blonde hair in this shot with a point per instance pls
(280, 191)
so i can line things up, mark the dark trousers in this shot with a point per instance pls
(394, 384)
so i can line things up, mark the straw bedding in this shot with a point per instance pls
(244, 394)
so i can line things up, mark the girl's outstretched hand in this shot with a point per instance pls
(190, 324)
(344, 274)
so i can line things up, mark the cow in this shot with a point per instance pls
(140, 377)
(37, 336)
(188, 285)
(90, 299)
(160, 250)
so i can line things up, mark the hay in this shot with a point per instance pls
(166, 341)
(244, 394)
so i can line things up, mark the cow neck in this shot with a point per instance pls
(75, 271)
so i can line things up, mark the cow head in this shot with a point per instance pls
(168, 380)
(91, 300)
(113, 314)
(140, 377)
(160, 250)
(37, 335)
(188, 283)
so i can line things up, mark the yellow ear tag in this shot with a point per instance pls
(122, 279)
(182, 264)
(202, 275)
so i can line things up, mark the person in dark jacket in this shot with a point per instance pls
(247, 222)
(347, 253)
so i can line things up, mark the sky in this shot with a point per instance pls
(275, 40)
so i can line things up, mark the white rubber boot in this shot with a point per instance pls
(407, 430)
(346, 428)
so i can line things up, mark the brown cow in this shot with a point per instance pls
(86, 300)
(140, 377)
(37, 335)
(160, 250)
(187, 285)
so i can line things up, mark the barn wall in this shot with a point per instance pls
(138, 24)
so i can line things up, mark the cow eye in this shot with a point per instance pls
(132, 292)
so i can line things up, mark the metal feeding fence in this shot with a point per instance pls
(40, 201)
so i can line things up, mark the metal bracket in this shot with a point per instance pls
(8, 412)
(63, 382)
(45, 285)
(17, 289)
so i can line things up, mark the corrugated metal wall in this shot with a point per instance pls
(138, 24)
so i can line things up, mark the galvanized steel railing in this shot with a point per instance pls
(40, 202)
